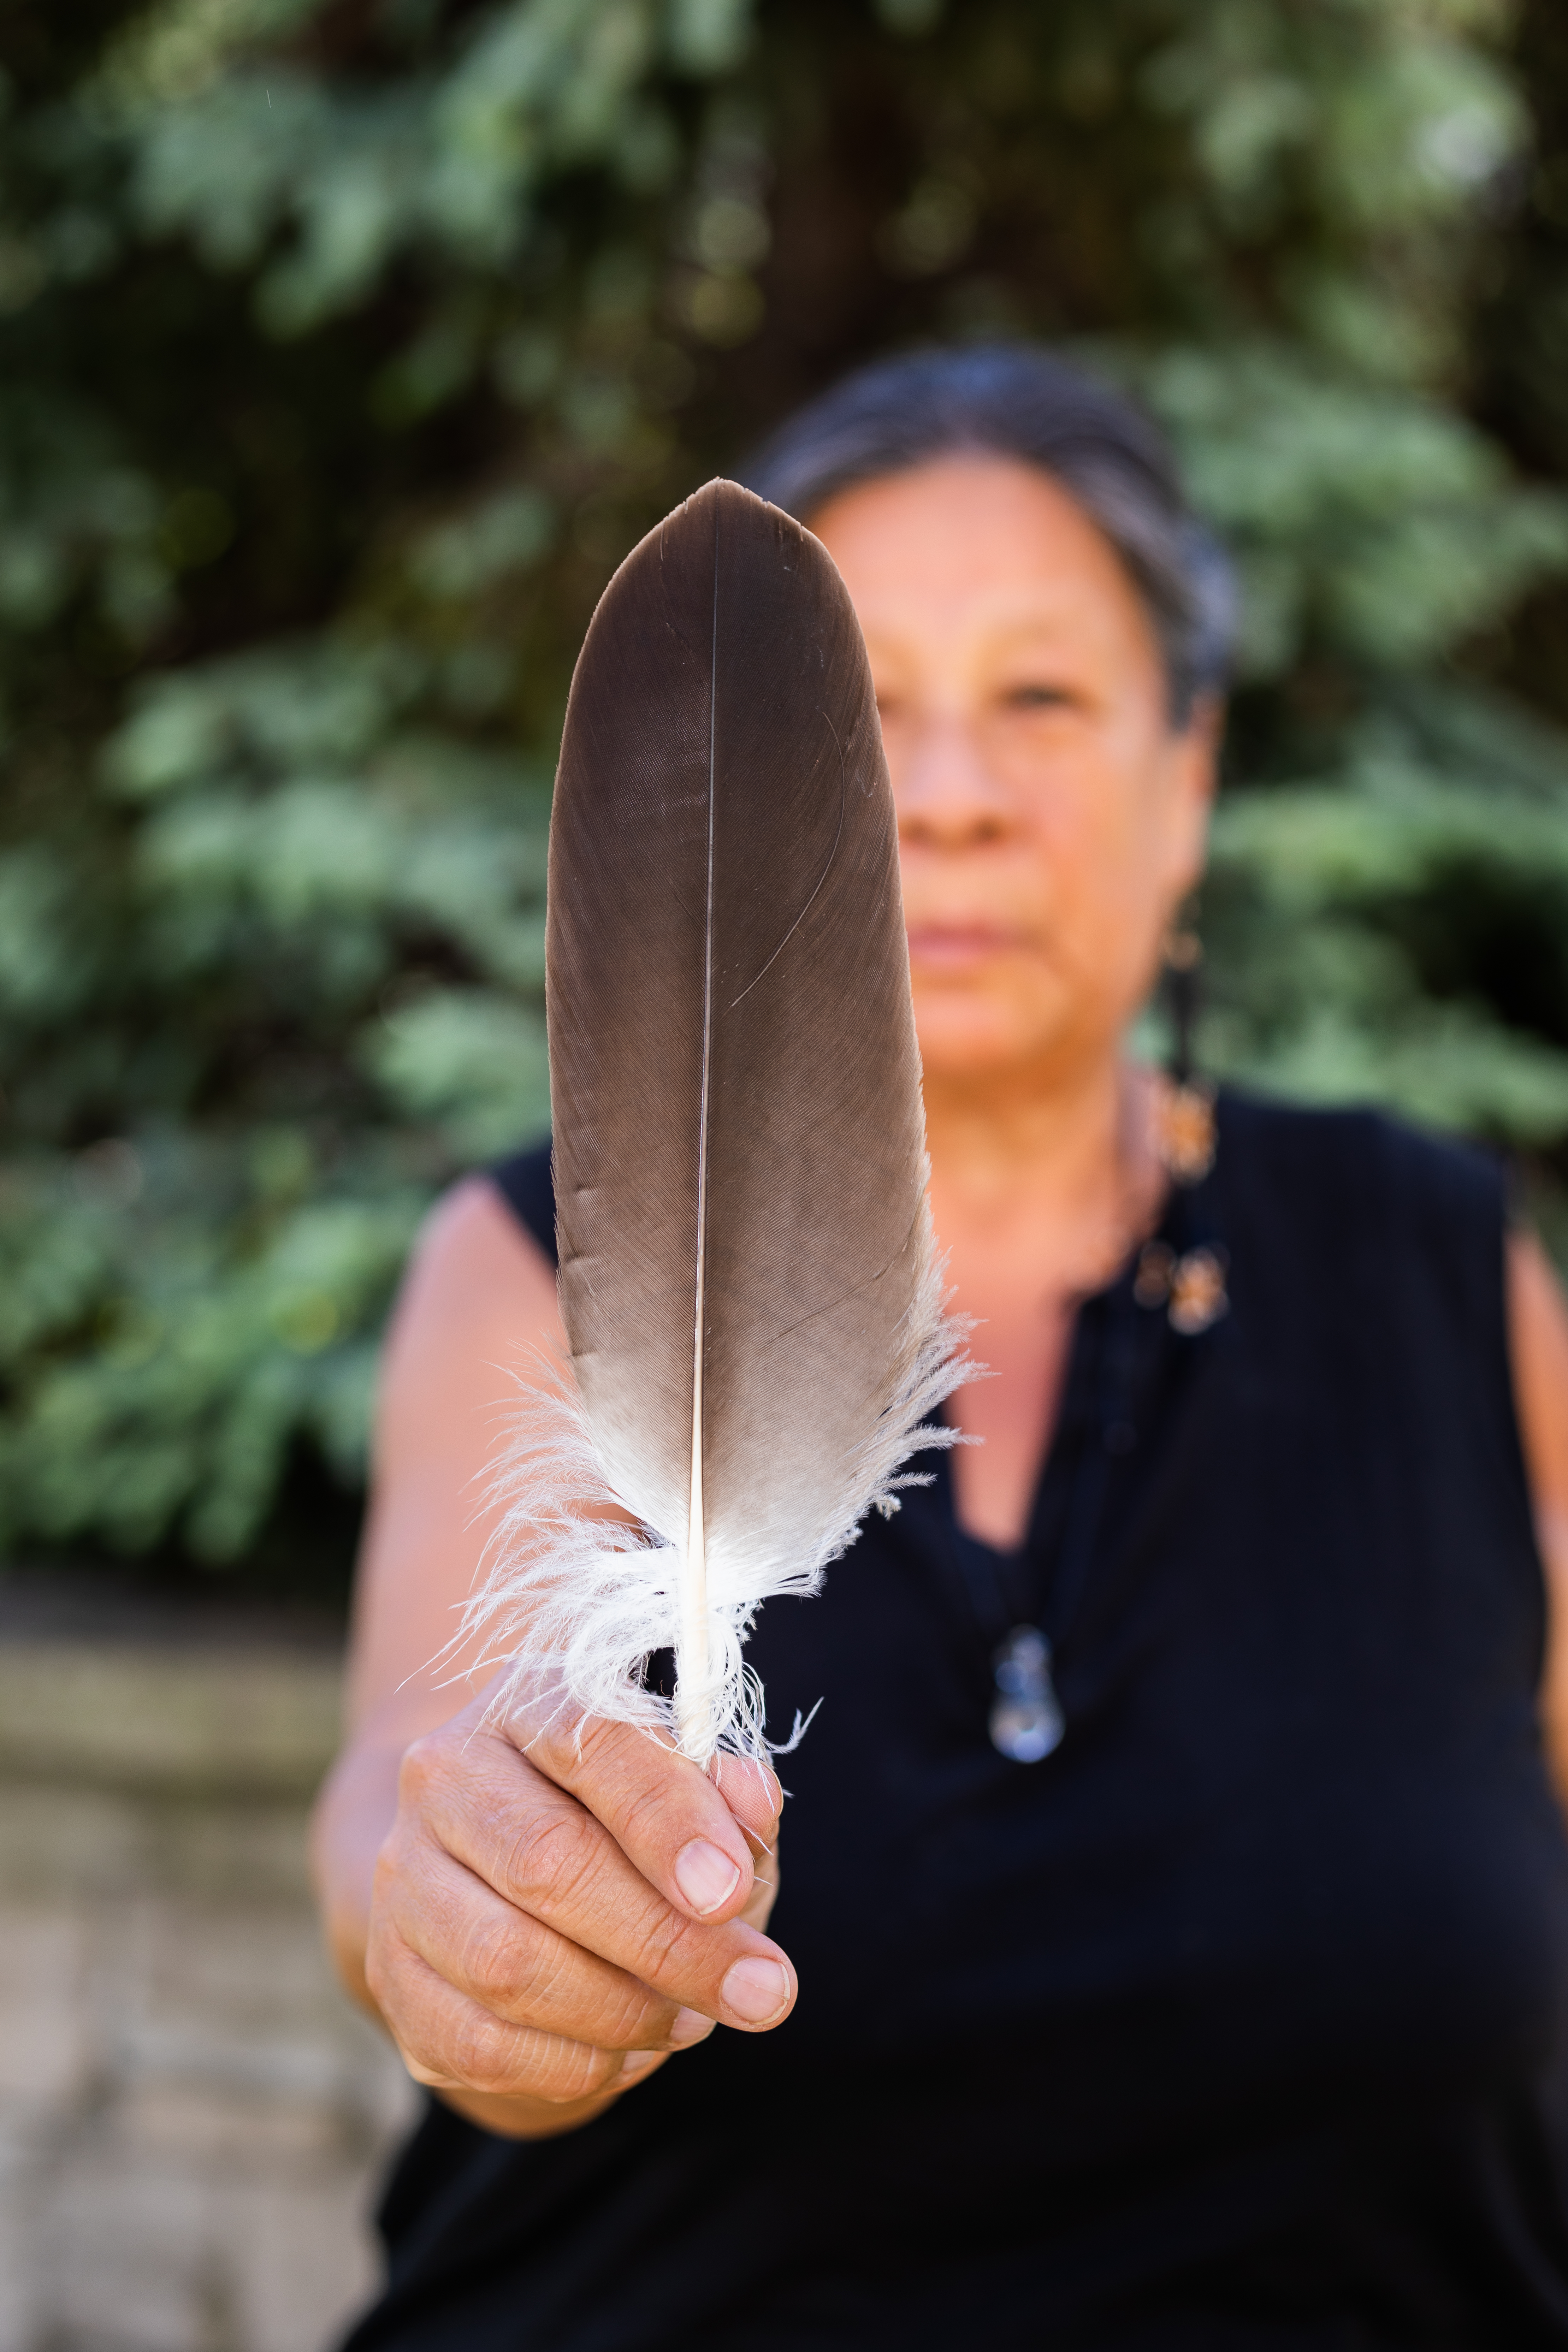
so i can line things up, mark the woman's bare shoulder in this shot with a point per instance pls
(472, 1259)
(1538, 1348)
(1538, 1345)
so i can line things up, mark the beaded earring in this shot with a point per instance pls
(1192, 1286)
(1185, 1101)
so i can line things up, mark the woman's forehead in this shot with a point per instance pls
(964, 525)
(976, 551)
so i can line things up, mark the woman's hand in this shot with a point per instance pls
(551, 1920)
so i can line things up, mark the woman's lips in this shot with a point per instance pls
(957, 947)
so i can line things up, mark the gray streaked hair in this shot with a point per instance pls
(1015, 400)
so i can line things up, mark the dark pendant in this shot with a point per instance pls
(1026, 1720)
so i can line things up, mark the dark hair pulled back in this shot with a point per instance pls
(1015, 400)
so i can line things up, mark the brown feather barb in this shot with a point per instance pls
(747, 1272)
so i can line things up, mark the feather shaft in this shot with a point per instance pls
(692, 1698)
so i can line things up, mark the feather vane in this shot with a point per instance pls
(748, 1277)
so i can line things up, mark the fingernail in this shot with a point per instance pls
(635, 2062)
(690, 2025)
(756, 1989)
(705, 1876)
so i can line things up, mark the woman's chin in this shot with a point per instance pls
(970, 1043)
(984, 1013)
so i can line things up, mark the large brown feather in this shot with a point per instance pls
(738, 1129)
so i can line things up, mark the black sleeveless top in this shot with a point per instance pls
(1239, 2020)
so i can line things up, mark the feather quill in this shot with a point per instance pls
(748, 1279)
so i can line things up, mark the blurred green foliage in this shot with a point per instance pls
(345, 347)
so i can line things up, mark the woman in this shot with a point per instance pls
(1236, 2014)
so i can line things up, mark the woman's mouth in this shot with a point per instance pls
(959, 947)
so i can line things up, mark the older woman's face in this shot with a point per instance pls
(1050, 820)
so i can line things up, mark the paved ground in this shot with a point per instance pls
(191, 2116)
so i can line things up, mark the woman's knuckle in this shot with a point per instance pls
(480, 2057)
(666, 1944)
(600, 2071)
(645, 1813)
(424, 2034)
(556, 1749)
(549, 1858)
(422, 1766)
(490, 1972)
(497, 1963)
(630, 2020)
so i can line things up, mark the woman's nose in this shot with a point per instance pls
(944, 789)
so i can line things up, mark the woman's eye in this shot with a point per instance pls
(1037, 698)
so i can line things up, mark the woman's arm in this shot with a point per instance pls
(1538, 1338)
(537, 1922)
(476, 1296)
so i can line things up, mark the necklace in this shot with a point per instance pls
(1026, 1720)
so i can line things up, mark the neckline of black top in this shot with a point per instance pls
(1116, 1330)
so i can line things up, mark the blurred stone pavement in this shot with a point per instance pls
(192, 2116)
